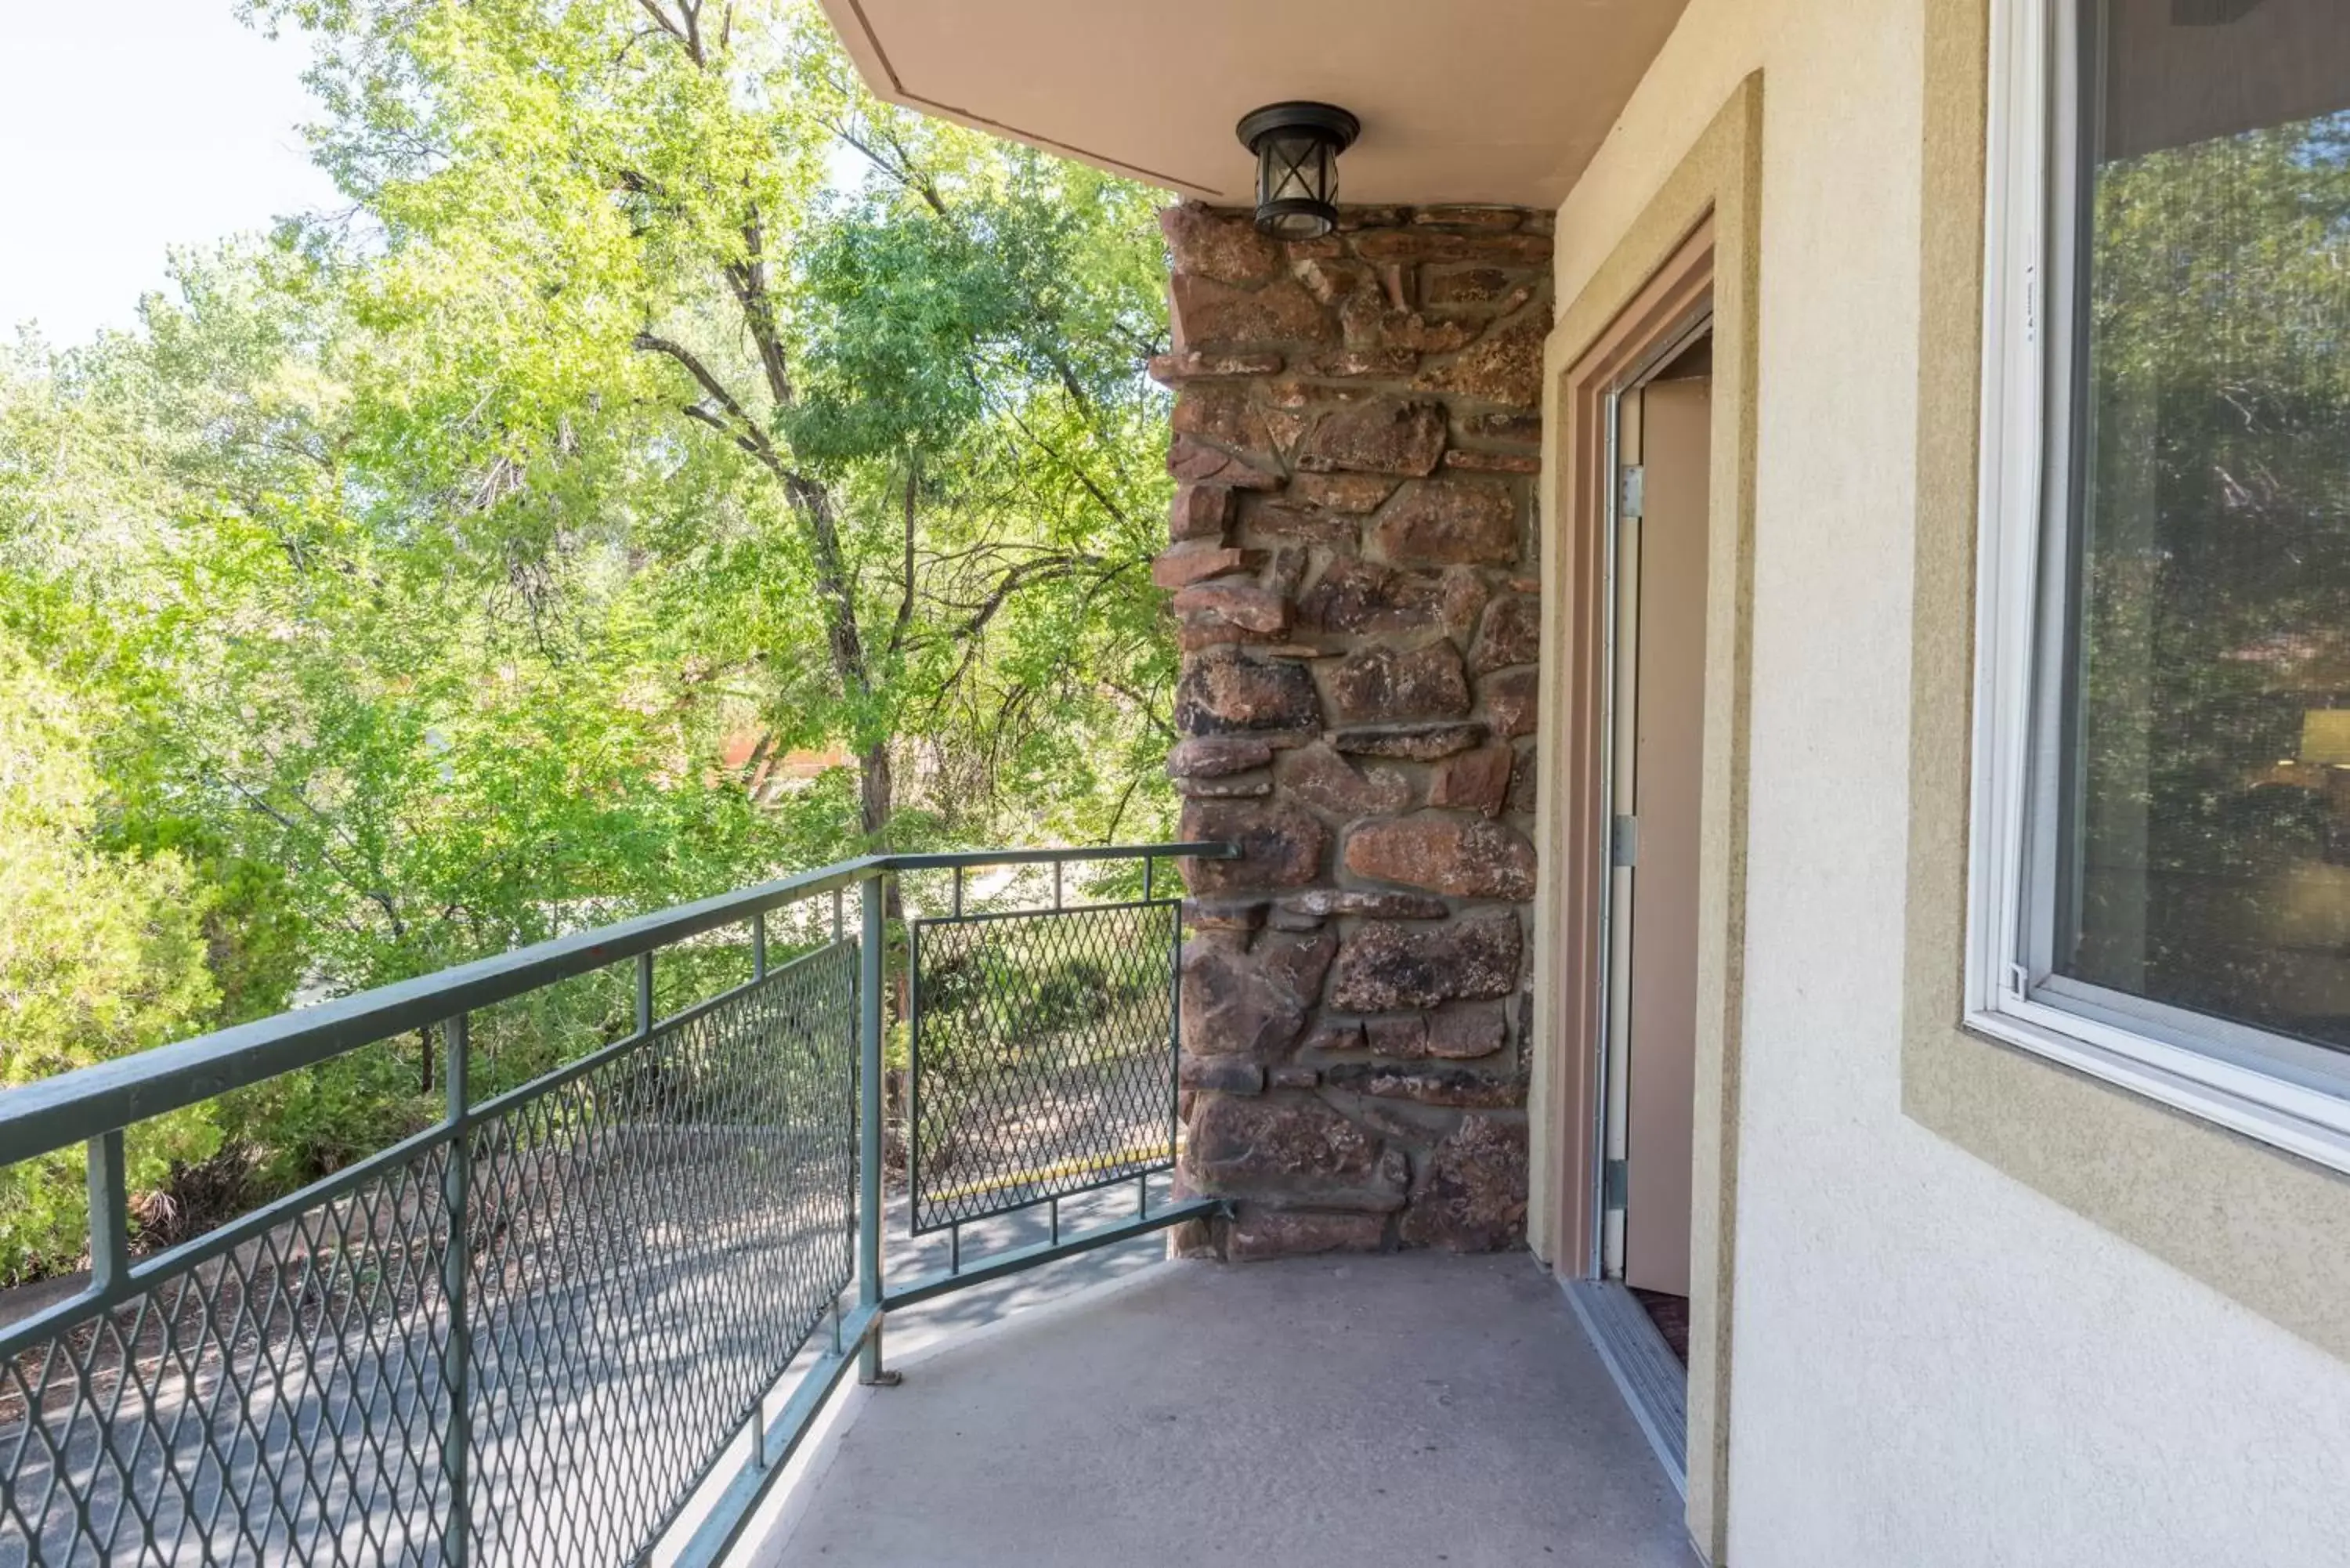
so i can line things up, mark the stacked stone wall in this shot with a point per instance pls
(1357, 431)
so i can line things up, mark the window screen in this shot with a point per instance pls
(2200, 783)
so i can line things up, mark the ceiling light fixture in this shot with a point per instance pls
(1298, 146)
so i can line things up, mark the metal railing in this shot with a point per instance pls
(540, 1329)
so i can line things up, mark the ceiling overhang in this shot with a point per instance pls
(1475, 101)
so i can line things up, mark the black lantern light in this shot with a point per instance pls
(1298, 147)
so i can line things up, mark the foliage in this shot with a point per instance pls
(102, 953)
(457, 570)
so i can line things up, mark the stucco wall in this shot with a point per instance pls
(1935, 1364)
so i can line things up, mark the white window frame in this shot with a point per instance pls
(2284, 1092)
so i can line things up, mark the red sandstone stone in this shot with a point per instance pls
(1386, 967)
(1378, 435)
(1472, 1194)
(1289, 394)
(1505, 368)
(1457, 1086)
(1242, 604)
(1456, 1035)
(1223, 1075)
(1324, 902)
(1470, 216)
(1212, 245)
(1371, 326)
(1382, 683)
(1296, 963)
(1322, 778)
(1364, 364)
(1225, 693)
(1342, 492)
(1243, 786)
(1334, 1034)
(1522, 783)
(1448, 523)
(1465, 856)
(1205, 314)
(1409, 742)
(1288, 571)
(1294, 1146)
(1467, 286)
(1262, 1232)
(1358, 598)
(1281, 846)
(1283, 520)
(1474, 781)
(1492, 461)
(1199, 511)
(1191, 364)
(1229, 1010)
(1193, 461)
(1331, 281)
(1224, 914)
(1435, 245)
(1514, 702)
(1203, 632)
(1515, 430)
(1293, 1076)
(1195, 561)
(1287, 428)
(1512, 634)
(1221, 413)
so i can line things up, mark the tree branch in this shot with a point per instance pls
(661, 19)
(905, 594)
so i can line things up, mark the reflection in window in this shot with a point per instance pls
(2206, 855)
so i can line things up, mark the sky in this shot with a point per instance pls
(189, 134)
(129, 127)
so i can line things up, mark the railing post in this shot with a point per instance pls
(872, 967)
(457, 1354)
(110, 1219)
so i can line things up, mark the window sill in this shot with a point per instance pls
(2300, 1120)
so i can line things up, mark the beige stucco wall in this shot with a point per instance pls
(1935, 1364)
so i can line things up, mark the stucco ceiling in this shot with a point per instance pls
(1461, 100)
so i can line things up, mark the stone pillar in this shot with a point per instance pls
(1353, 563)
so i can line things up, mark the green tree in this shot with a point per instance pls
(866, 422)
(102, 953)
(420, 578)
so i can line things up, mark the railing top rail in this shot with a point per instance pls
(71, 1107)
(969, 859)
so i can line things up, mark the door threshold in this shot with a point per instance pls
(1646, 1371)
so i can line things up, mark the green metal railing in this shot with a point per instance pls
(591, 1316)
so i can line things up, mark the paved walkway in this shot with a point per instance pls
(1405, 1410)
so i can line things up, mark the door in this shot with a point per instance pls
(1664, 428)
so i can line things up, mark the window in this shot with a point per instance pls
(2162, 828)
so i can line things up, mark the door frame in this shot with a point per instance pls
(1620, 901)
(1699, 237)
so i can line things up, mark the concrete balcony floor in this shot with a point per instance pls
(1413, 1409)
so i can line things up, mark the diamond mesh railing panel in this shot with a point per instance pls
(654, 1240)
(280, 1402)
(654, 1235)
(534, 1332)
(1043, 1056)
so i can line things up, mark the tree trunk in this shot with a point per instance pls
(874, 793)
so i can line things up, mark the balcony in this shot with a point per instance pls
(595, 1317)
